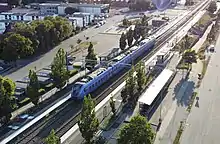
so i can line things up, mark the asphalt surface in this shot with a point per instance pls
(105, 42)
(202, 126)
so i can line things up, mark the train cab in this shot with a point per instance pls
(76, 90)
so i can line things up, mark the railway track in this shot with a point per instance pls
(67, 114)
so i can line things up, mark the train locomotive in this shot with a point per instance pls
(95, 79)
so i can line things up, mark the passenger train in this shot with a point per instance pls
(92, 81)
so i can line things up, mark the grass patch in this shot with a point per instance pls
(179, 46)
(108, 122)
(82, 45)
(183, 65)
(179, 133)
(204, 66)
(73, 72)
(201, 51)
(203, 22)
(194, 94)
(24, 101)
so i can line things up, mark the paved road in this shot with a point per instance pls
(105, 42)
(202, 126)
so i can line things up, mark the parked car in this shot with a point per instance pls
(211, 48)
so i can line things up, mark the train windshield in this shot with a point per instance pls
(76, 89)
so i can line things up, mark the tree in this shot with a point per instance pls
(136, 33)
(7, 100)
(124, 95)
(33, 87)
(16, 46)
(138, 131)
(112, 105)
(186, 41)
(122, 41)
(131, 86)
(130, 37)
(70, 10)
(14, 2)
(144, 27)
(28, 31)
(141, 76)
(126, 22)
(144, 21)
(91, 59)
(59, 73)
(52, 138)
(88, 123)
(141, 5)
(212, 7)
(189, 56)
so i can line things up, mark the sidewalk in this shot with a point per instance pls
(177, 112)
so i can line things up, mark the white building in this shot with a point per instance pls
(81, 19)
(48, 8)
(96, 9)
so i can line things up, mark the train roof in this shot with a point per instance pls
(92, 75)
(96, 72)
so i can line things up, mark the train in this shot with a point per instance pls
(92, 81)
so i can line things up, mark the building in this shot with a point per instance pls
(49, 8)
(4, 7)
(96, 9)
(59, 8)
(158, 23)
(81, 19)
(10, 17)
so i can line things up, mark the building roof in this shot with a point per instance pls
(49, 4)
(3, 4)
(93, 5)
(155, 88)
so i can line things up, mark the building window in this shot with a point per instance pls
(32, 17)
(6, 17)
(9, 17)
(22, 18)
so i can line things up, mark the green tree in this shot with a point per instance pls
(70, 10)
(189, 57)
(27, 31)
(14, 2)
(91, 59)
(88, 123)
(33, 87)
(59, 73)
(52, 138)
(138, 131)
(186, 42)
(43, 29)
(122, 41)
(212, 7)
(112, 105)
(124, 95)
(16, 46)
(141, 76)
(136, 32)
(7, 100)
(126, 22)
(131, 86)
(144, 21)
(130, 37)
